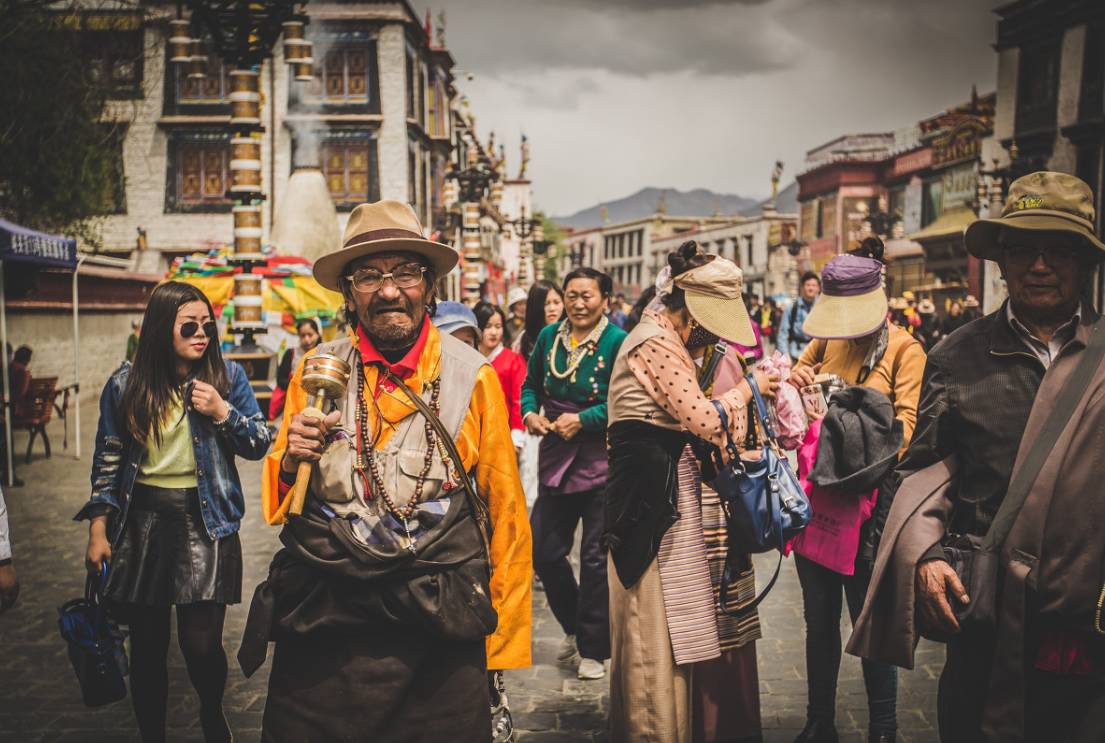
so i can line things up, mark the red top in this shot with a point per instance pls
(511, 368)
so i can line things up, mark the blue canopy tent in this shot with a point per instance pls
(22, 245)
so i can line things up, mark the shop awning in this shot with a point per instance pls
(22, 245)
(949, 224)
(903, 248)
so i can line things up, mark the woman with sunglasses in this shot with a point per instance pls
(167, 502)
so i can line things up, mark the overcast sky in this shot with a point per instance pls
(616, 95)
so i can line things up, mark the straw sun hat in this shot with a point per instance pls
(713, 295)
(852, 302)
(383, 227)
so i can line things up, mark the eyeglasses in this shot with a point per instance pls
(370, 280)
(190, 328)
(1058, 252)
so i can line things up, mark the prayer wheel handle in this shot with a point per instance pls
(325, 377)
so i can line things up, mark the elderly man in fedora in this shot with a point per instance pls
(994, 539)
(406, 576)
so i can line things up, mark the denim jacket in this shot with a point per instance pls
(118, 457)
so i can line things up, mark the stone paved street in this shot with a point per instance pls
(39, 698)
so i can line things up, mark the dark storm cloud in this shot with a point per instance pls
(618, 94)
(631, 38)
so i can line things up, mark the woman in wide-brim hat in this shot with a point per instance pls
(664, 620)
(854, 340)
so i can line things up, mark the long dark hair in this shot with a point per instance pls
(484, 311)
(681, 261)
(535, 313)
(152, 386)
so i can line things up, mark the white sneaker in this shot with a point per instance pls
(591, 669)
(567, 651)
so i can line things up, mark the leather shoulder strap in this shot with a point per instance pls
(1057, 419)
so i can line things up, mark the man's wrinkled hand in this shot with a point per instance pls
(307, 438)
(935, 580)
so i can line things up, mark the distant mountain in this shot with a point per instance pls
(700, 202)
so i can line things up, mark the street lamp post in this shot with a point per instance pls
(472, 183)
(525, 227)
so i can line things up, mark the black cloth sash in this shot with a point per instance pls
(324, 581)
(641, 494)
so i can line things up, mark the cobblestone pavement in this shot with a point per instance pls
(40, 701)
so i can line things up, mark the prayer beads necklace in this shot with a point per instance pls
(366, 453)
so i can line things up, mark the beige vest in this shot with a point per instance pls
(628, 400)
(401, 460)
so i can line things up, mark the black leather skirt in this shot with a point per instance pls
(164, 555)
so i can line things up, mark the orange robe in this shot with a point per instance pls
(484, 444)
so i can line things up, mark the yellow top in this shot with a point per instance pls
(897, 375)
(172, 462)
(484, 442)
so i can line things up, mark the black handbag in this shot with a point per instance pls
(764, 503)
(95, 643)
(977, 560)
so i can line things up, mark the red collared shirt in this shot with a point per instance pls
(404, 367)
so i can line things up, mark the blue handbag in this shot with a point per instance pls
(764, 503)
(95, 643)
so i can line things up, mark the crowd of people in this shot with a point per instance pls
(952, 469)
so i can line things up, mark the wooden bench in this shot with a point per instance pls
(38, 412)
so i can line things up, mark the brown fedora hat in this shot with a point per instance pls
(1057, 202)
(383, 227)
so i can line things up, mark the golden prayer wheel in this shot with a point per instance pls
(304, 70)
(296, 49)
(245, 176)
(248, 312)
(245, 148)
(293, 31)
(325, 377)
(247, 216)
(247, 285)
(180, 43)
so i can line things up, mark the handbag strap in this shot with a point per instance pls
(479, 507)
(726, 573)
(711, 366)
(723, 593)
(761, 406)
(1053, 427)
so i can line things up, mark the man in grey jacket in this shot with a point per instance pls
(980, 386)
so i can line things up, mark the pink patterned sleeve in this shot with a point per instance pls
(662, 369)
